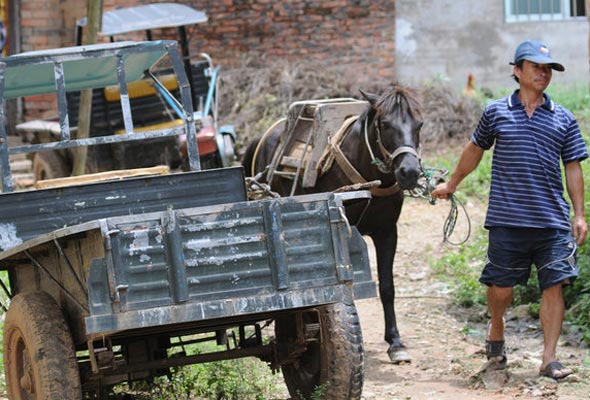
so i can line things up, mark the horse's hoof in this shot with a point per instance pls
(399, 355)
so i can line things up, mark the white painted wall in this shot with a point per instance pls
(452, 38)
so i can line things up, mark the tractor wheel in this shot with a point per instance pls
(49, 165)
(39, 358)
(332, 362)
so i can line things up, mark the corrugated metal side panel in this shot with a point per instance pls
(226, 253)
(221, 261)
(25, 215)
(308, 243)
(234, 250)
(143, 269)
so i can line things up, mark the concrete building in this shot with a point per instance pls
(451, 38)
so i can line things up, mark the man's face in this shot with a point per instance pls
(533, 76)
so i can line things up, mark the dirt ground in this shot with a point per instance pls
(446, 346)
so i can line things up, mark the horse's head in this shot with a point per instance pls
(394, 122)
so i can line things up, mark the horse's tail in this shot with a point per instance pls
(252, 151)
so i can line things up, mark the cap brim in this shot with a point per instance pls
(544, 60)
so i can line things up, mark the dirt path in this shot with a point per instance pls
(446, 346)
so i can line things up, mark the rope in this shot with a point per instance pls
(257, 190)
(429, 178)
(260, 142)
(449, 225)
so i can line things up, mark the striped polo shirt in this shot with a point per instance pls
(526, 188)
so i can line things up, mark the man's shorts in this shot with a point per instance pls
(512, 252)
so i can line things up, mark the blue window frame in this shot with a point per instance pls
(543, 10)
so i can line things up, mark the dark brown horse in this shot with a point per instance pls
(381, 145)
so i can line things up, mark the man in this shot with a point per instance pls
(528, 217)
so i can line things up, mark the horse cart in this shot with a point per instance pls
(151, 106)
(117, 277)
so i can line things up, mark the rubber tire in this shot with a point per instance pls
(337, 363)
(37, 339)
(49, 165)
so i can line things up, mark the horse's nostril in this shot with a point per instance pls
(410, 173)
(407, 177)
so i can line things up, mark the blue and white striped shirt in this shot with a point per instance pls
(526, 189)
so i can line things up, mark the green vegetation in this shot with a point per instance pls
(463, 266)
(243, 379)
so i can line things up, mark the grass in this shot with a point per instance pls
(240, 379)
(243, 379)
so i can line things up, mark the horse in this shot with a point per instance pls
(381, 145)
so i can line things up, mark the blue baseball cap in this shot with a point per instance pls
(537, 52)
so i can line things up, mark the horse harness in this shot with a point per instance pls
(334, 153)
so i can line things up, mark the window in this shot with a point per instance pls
(543, 10)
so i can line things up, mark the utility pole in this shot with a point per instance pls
(93, 26)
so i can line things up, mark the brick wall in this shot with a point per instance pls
(355, 35)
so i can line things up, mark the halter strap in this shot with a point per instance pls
(385, 167)
(389, 157)
(350, 171)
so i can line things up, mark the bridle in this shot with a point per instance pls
(386, 166)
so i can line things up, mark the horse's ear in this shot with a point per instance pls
(370, 97)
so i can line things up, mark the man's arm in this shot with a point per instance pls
(574, 180)
(469, 160)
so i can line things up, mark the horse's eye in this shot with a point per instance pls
(419, 125)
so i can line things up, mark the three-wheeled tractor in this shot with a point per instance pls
(150, 103)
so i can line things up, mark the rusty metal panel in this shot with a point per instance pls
(234, 249)
(25, 215)
(307, 233)
(226, 252)
(266, 302)
(261, 256)
(140, 259)
(364, 287)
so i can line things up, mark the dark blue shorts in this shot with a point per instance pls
(512, 252)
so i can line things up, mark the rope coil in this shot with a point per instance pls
(428, 180)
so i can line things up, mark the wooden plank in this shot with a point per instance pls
(329, 117)
(101, 176)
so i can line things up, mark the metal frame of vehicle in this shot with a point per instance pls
(119, 276)
(43, 72)
(149, 17)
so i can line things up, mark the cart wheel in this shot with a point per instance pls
(39, 357)
(49, 165)
(334, 362)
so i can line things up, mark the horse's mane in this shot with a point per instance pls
(395, 97)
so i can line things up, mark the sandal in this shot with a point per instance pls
(555, 370)
(494, 350)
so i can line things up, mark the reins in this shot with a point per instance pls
(429, 178)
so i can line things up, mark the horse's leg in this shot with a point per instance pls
(385, 247)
